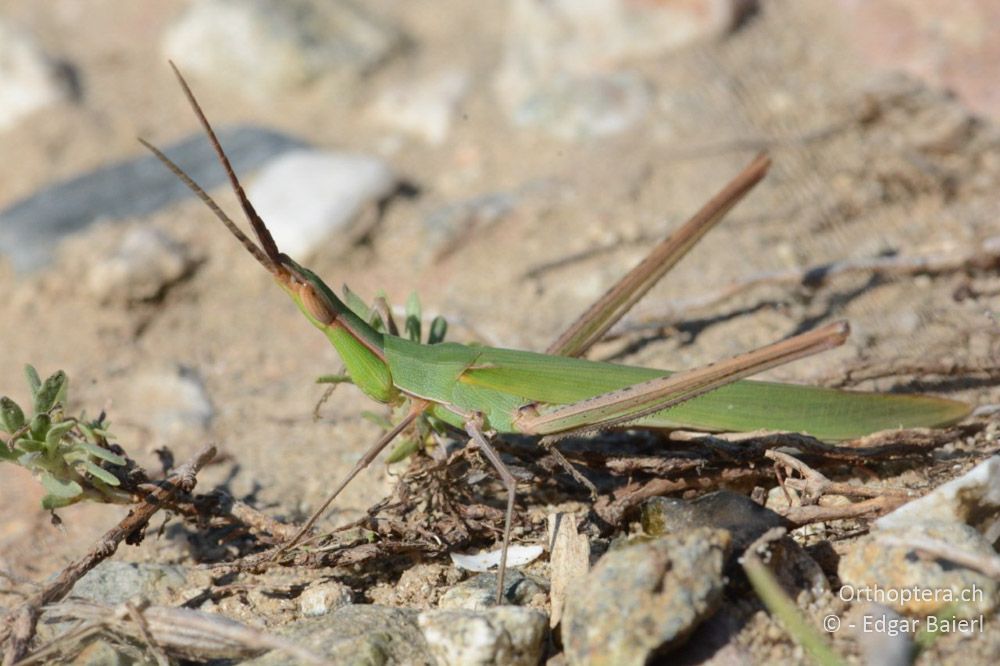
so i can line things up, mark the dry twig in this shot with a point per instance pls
(21, 621)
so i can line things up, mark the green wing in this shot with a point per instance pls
(495, 381)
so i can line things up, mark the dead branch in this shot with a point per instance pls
(21, 621)
(876, 506)
(178, 632)
(814, 484)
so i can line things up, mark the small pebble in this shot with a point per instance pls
(644, 598)
(479, 592)
(510, 635)
(743, 518)
(324, 597)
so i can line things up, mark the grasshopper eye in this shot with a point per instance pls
(314, 305)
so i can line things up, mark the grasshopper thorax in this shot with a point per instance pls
(317, 308)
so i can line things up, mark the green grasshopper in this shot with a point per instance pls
(489, 391)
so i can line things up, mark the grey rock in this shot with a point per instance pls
(743, 518)
(360, 634)
(324, 597)
(305, 196)
(29, 79)
(112, 582)
(510, 635)
(145, 264)
(882, 568)
(270, 47)
(479, 592)
(31, 228)
(973, 499)
(645, 598)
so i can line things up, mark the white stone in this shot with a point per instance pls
(503, 635)
(425, 107)
(973, 499)
(29, 79)
(324, 598)
(307, 195)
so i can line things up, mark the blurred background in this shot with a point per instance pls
(507, 161)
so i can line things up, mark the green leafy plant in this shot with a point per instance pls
(68, 455)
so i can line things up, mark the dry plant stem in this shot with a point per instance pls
(21, 621)
(814, 484)
(179, 632)
(222, 505)
(780, 605)
(134, 612)
(985, 257)
(988, 565)
(876, 506)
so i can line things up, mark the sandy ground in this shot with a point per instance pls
(864, 164)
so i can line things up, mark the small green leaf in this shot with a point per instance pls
(52, 502)
(87, 431)
(439, 327)
(6, 453)
(100, 473)
(413, 311)
(60, 487)
(40, 424)
(30, 445)
(101, 452)
(56, 433)
(356, 304)
(11, 416)
(51, 391)
(34, 381)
